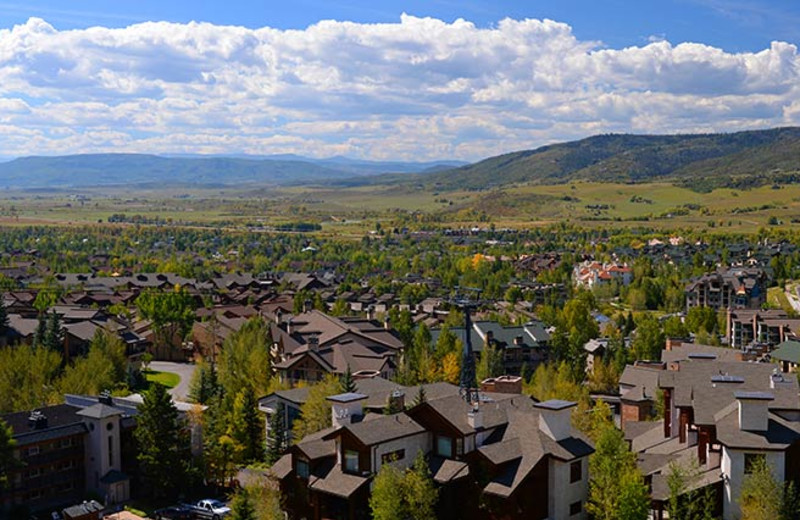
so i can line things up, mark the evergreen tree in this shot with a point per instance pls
(204, 384)
(277, 438)
(420, 398)
(242, 507)
(41, 331)
(3, 316)
(54, 333)
(7, 460)
(247, 427)
(347, 382)
(160, 443)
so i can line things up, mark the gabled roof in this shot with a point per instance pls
(381, 429)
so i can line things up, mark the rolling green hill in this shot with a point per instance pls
(700, 162)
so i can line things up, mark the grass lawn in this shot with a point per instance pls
(168, 379)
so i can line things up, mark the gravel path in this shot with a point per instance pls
(184, 370)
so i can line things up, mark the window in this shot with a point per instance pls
(393, 456)
(751, 459)
(575, 472)
(33, 450)
(33, 473)
(66, 443)
(351, 461)
(110, 450)
(575, 508)
(302, 468)
(444, 446)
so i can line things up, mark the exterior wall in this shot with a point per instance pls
(562, 493)
(634, 412)
(412, 445)
(54, 474)
(99, 458)
(733, 472)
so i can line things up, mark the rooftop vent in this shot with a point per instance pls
(37, 420)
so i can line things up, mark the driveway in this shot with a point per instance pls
(184, 370)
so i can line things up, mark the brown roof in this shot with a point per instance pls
(338, 483)
(693, 386)
(381, 429)
(446, 470)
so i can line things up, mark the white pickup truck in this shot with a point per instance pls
(209, 509)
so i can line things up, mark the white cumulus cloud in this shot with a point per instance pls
(416, 89)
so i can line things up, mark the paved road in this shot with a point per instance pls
(184, 370)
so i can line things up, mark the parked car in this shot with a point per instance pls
(173, 513)
(209, 509)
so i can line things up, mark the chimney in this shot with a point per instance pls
(518, 340)
(475, 417)
(313, 343)
(489, 337)
(37, 420)
(307, 306)
(289, 326)
(346, 408)
(387, 323)
(554, 418)
(397, 400)
(278, 316)
(753, 410)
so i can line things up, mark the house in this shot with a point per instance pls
(735, 288)
(591, 273)
(518, 458)
(526, 345)
(720, 416)
(787, 354)
(768, 327)
(309, 345)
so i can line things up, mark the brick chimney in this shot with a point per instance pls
(753, 410)
(554, 418)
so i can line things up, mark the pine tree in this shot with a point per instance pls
(348, 383)
(7, 460)
(277, 439)
(247, 427)
(54, 333)
(420, 398)
(159, 442)
(3, 316)
(204, 385)
(41, 332)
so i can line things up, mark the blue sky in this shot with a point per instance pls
(418, 79)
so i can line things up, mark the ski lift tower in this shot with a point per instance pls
(466, 299)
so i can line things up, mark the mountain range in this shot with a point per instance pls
(698, 161)
(86, 170)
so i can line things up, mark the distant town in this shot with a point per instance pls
(455, 373)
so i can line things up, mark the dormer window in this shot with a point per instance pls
(444, 446)
(302, 468)
(351, 461)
